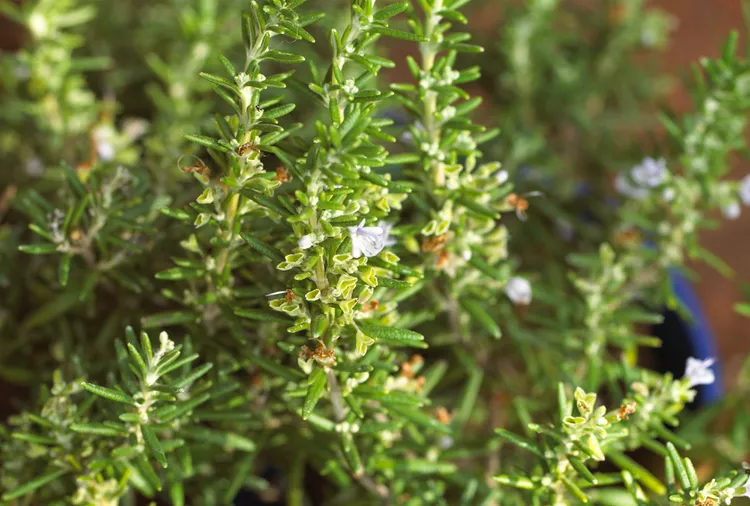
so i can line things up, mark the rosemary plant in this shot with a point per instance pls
(345, 264)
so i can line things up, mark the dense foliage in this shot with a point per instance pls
(374, 278)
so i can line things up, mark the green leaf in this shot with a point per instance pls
(152, 442)
(138, 361)
(242, 470)
(219, 80)
(461, 48)
(351, 453)
(295, 31)
(582, 470)
(521, 482)
(310, 18)
(742, 308)
(679, 467)
(713, 260)
(393, 283)
(316, 384)
(108, 393)
(470, 394)
(192, 376)
(283, 56)
(98, 429)
(487, 269)
(34, 484)
(166, 366)
(177, 214)
(260, 315)
(453, 15)
(692, 474)
(64, 269)
(207, 142)
(424, 466)
(60, 304)
(147, 471)
(477, 208)
(390, 11)
(391, 334)
(421, 418)
(640, 473)
(227, 66)
(519, 441)
(278, 112)
(730, 47)
(34, 438)
(393, 397)
(38, 249)
(403, 159)
(574, 489)
(264, 249)
(267, 202)
(179, 410)
(397, 268)
(277, 369)
(481, 316)
(175, 273)
(160, 320)
(398, 34)
(668, 435)
(227, 440)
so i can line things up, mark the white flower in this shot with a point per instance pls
(668, 194)
(698, 372)
(501, 176)
(648, 174)
(389, 241)
(744, 190)
(368, 241)
(731, 211)
(518, 290)
(623, 186)
(306, 241)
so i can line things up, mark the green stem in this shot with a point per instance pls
(222, 264)
(429, 53)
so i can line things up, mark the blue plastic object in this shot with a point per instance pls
(692, 338)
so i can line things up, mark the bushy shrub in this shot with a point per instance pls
(365, 291)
